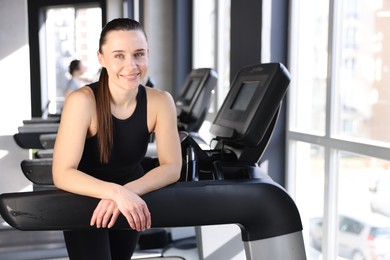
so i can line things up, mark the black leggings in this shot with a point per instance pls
(101, 244)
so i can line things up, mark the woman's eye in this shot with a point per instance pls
(119, 56)
(139, 54)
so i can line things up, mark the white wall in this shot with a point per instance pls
(14, 91)
(14, 65)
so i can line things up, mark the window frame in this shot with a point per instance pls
(36, 13)
(332, 143)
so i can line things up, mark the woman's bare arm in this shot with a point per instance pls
(163, 119)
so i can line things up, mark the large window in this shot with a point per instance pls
(211, 45)
(70, 33)
(339, 126)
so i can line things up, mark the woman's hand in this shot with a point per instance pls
(105, 214)
(129, 204)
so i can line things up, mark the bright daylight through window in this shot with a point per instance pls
(70, 33)
(339, 126)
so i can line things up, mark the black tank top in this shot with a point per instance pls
(130, 142)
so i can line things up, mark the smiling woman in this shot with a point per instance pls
(125, 66)
(102, 138)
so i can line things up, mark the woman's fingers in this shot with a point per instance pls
(144, 218)
(107, 215)
(138, 218)
(148, 221)
(130, 220)
(94, 218)
(114, 217)
(103, 213)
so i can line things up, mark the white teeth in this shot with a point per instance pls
(130, 77)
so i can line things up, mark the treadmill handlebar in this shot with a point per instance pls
(260, 207)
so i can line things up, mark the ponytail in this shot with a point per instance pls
(103, 109)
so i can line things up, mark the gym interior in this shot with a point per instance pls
(309, 177)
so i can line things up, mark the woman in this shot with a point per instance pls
(102, 138)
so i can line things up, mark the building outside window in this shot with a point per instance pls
(70, 32)
(339, 126)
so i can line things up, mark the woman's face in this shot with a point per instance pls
(125, 55)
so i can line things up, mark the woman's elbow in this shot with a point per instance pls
(177, 172)
(57, 180)
(172, 172)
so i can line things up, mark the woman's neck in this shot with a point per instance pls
(123, 103)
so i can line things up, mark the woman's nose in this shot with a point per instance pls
(131, 62)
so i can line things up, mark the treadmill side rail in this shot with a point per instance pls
(260, 207)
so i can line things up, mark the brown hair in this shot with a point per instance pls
(103, 95)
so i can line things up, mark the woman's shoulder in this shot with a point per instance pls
(80, 107)
(157, 94)
(82, 95)
(159, 100)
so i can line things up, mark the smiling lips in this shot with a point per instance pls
(131, 77)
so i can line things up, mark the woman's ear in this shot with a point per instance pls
(100, 59)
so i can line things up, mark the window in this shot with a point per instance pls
(339, 124)
(69, 33)
(211, 48)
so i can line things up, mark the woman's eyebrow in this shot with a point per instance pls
(121, 51)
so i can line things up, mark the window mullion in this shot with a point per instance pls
(330, 204)
(331, 155)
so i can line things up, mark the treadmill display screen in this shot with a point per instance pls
(245, 95)
(192, 87)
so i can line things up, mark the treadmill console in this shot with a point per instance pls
(195, 99)
(252, 102)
